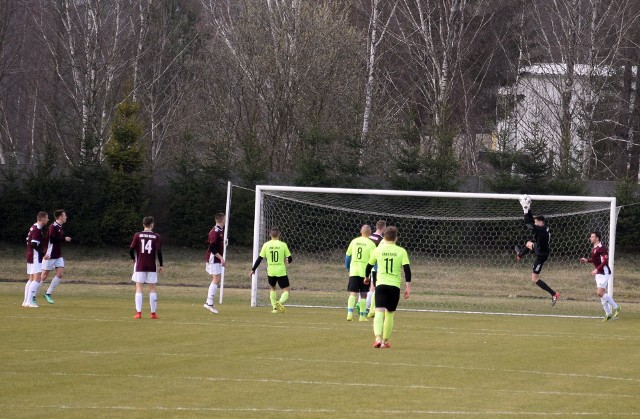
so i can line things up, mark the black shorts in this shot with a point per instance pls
(387, 296)
(356, 284)
(537, 265)
(282, 281)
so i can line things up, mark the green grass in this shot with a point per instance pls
(86, 356)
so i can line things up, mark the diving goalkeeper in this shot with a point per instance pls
(539, 245)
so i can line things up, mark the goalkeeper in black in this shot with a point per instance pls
(539, 245)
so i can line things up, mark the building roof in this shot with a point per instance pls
(558, 69)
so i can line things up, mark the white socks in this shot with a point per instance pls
(138, 302)
(369, 295)
(33, 290)
(54, 283)
(153, 301)
(212, 293)
(26, 292)
(608, 303)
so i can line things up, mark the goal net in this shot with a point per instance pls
(461, 247)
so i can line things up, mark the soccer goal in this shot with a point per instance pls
(460, 246)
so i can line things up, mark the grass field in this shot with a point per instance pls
(438, 285)
(86, 356)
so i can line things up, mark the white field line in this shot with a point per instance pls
(355, 363)
(487, 313)
(349, 410)
(332, 326)
(324, 383)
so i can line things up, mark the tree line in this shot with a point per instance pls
(328, 92)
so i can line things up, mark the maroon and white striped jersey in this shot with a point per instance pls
(55, 238)
(35, 236)
(600, 259)
(146, 245)
(216, 244)
(376, 238)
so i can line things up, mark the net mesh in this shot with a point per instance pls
(461, 249)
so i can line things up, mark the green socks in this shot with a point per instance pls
(351, 303)
(362, 307)
(272, 297)
(284, 297)
(388, 324)
(378, 323)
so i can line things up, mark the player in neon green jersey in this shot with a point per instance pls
(392, 260)
(277, 254)
(358, 254)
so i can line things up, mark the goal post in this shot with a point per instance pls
(460, 246)
(227, 212)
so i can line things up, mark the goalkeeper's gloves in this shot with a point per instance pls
(525, 201)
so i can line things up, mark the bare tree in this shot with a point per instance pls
(294, 71)
(381, 15)
(164, 72)
(11, 43)
(585, 38)
(439, 37)
(86, 42)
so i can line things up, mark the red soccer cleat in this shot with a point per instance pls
(377, 343)
(385, 344)
(154, 316)
(138, 315)
(555, 299)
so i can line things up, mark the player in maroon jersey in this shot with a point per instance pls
(53, 257)
(602, 273)
(35, 253)
(144, 248)
(214, 260)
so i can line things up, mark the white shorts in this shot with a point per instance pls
(34, 268)
(602, 280)
(145, 277)
(49, 265)
(214, 268)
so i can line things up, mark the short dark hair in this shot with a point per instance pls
(597, 234)
(148, 221)
(390, 233)
(274, 232)
(57, 213)
(42, 215)
(381, 224)
(540, 218)
(219, 216)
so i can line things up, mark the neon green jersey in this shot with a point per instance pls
(390, 258)
(360, 250)
(275, 252)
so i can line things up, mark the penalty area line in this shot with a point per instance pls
(324, 383)
(325, 410)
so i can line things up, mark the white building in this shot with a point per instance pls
(532, 108)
